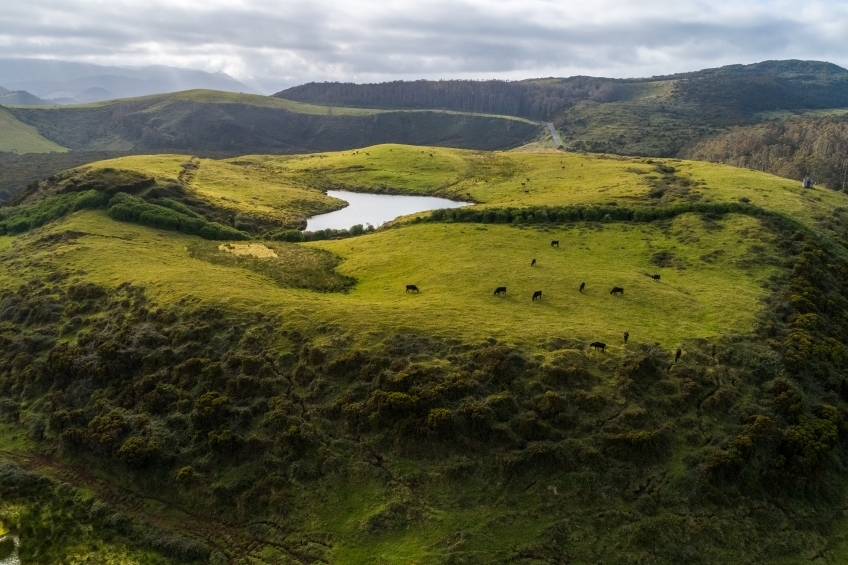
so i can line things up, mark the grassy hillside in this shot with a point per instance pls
(186, 398)
(814, 145)
(654, 116)
(18, 137)
(213, 121)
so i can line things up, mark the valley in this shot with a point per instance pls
(186, 376)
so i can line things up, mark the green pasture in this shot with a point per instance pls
(18, 137)
(712, 281)
(289, 187)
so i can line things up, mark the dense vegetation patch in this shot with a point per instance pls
(286, 264)
(793, 148)
(612, 457)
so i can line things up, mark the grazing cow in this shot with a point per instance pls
(617, 290)
(656, 278)
(411, 288)
(537, 294)
(500, 290)
(626, 336)
(533, 262)
(522, 184)
(598, 345)
(528, 178)
(582, 286)
(555, 243)
(526, 192)
(677, 355)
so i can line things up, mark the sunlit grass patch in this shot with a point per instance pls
(18, 137)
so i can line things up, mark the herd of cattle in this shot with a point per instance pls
(537, 295)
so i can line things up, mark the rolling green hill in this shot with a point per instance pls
(18, 137)
(654, 116)
(217, 121)
(179, 382)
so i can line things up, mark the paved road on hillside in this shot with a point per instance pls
(554, 134)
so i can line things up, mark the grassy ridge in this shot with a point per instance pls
(18, 137)
(211, 121)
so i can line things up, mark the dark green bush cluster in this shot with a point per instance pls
(295, 236)
(590, 213)
(23, 218)
(56, 516)
(127, 208)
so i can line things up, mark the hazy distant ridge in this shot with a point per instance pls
(68, 82)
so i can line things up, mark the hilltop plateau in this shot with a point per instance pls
(187, 376)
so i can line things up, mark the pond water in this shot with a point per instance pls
(375, 209)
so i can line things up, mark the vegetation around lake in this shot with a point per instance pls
(169, 398)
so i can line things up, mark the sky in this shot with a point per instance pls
(279, 43)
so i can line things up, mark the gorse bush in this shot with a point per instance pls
(23, 218)
(127, 208)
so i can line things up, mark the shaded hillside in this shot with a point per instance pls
(20, 98)
(794, 148)
(536, 99)
(250, 124)
(646, 116)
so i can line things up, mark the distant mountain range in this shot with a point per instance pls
(63, 82)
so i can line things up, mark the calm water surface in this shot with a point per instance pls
(375, 209)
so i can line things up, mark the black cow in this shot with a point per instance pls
(677, 355)
(617, 290)
(411, 288)
(555, 243)
(626, 336)
(598, 345)
(533, 262)
(537, 294)
(582, 286)
(500, 290)
(656, 278)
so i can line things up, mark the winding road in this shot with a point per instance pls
(554, 134)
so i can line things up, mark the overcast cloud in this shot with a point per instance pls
(286, 42)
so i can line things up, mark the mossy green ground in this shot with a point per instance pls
(18, 137)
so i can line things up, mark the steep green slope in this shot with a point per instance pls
(649, 116)
(18, 137)
(212, 121)
(268, 402)
(794, 148)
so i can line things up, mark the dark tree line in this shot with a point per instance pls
(537, 99)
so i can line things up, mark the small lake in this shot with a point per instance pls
(375, 209)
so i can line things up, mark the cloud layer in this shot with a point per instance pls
(295, 41)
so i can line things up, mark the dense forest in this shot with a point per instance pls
(793, 148)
